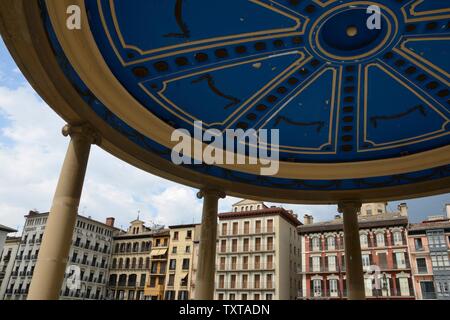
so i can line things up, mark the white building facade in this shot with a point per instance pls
(258, 253)
(88, 259)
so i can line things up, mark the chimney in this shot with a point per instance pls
(307, 219)
(447, 207)
(403, 208)
(110, 221)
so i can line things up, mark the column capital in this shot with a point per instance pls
(211, 192)
(349, 206)
(84, 130)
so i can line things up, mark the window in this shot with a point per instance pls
(185, 264)
(333, 288)
(256, 284)
(233, 263)
(440, 261)
(398, 239)
(233, 281)
(189, 234)
(366, 260)
(418, 244)
(380, 240)
(223, 245)
(404, 287)
(188, 249)
(174, 250)
(436, 239)
(175, 235)
(315, 244)
(234, 245)
(317, 288)
(224, 229)
(369, 212)
(258, 226)
(422, 265)
(235, 228)
(246, 227)
(270, 225)
(364, 241)
(315, 264)
(331, 263)
(245, 262)
(246, 244)
(400, 259)
(222, 281)
(244, 281)
(270, 243)
(269, 283)
(257, 262)
(257, 244)
(172, 264)
(331, 243)
(222, 263)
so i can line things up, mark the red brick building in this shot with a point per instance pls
(383, 237)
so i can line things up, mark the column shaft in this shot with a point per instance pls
(51, 264)
(353, 259)
(207, 247)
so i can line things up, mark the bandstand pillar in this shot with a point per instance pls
(353, 258)
(208, 242)
(53, 256)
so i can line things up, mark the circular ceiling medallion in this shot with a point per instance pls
(346, 33)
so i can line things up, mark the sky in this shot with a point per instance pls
(32, 151)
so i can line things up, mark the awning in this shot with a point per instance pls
(158, 252)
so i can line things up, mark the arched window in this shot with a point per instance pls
(147, 263)
(116, 250)
(141, 263)
(315, 244)
(364, 241)
(122, 247)
(132, 280)
(113, 280)
(331, 243)
(120, 263)
(122, 280)
(133, 263)
(135, 247)
(114, 263)
(128, 247)
(127, 263)
(380, 240)
(398, 239)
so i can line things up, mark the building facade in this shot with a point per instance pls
(7, 259)
(429, 246)
(155, 287)
(130, 262)
(385, 255)
(180, 273)
(4, 230)
(258, 252)
(88, 260)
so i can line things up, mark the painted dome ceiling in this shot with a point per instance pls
(340, 94)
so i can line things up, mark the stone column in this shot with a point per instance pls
(353, 259)
(208, 242)
(53, 255)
